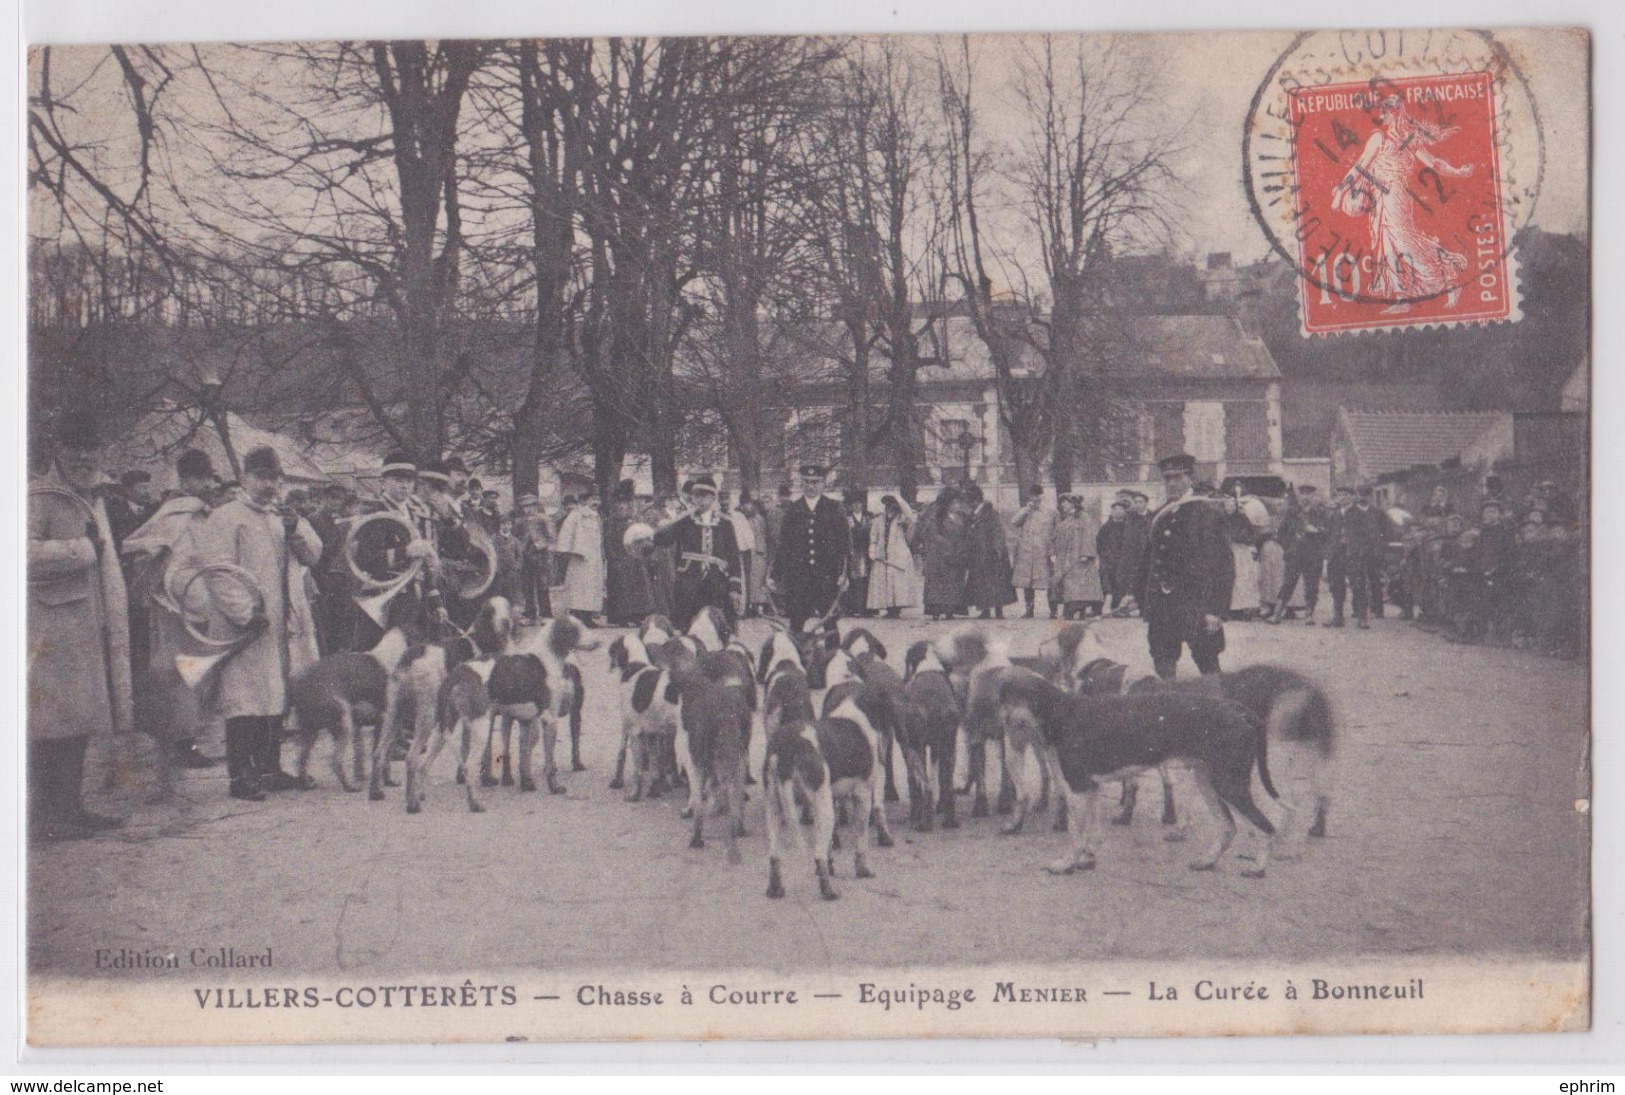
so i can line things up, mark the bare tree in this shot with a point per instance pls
(1093, 177)
(758, 272)
(876, 228)
(1090, 175)
(350, 152)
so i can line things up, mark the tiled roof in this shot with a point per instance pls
(1386, 441)
(1200, 348)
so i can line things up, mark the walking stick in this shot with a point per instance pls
(110, 780)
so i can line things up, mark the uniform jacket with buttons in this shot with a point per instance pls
(1187, 570)
(1355, 535)
(813, 544)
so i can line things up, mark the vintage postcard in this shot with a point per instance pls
(820, 537)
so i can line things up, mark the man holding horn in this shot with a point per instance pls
(78, 631)
(165, 544)
(256, 533)
(382, 549)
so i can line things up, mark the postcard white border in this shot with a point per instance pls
(1604, 1046)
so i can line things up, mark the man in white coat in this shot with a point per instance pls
(256, 533)
(581, 544)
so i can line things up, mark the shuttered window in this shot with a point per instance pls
(1246, 431)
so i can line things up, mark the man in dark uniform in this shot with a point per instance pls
(448, 532)
(809, 561)
(1354, 536)
(707, 555)
(384, 549)
(1303, 534)
(1185, 574)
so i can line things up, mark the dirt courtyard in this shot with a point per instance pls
(1454, 830)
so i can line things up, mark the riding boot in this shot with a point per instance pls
(73, 775)
(240, 740)
(51, 796)
(268, 756)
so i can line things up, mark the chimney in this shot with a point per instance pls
(1247, 309)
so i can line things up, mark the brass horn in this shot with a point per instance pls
(469, 577)
(200, 623)
(376, 593)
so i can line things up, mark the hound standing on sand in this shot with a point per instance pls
(1108, 738)
(795, 771)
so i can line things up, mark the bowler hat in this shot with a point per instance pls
(80, 429)
(194, 464)
(1179, 462)
(854, 497)
(264, 462)
(399, 463)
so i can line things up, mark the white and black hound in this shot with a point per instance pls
(1108, 738)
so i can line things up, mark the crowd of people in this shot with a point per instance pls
(1508, 572)
(295, 575)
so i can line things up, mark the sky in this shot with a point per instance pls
(1206, 80)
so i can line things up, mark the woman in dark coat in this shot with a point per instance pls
(939, 541)
(990, 583)
(628, 597)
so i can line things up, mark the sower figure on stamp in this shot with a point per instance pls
(810, 560)
(707, 556)
(1185, 574)
(78, 665)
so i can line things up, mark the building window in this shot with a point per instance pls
(1167, 429)
(1246, 431)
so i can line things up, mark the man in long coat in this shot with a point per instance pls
(809, 560)
(581, 544)
(988, 583)
(707, 555)
(1353, 538)
(78, 642)
(1115, 583)
(256, 533)
(1185, 574)
(164, 546)
(1035, 524)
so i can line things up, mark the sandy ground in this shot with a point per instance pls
(1454, 831)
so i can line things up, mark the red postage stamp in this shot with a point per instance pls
(1398, 203)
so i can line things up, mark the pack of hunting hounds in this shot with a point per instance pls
(833, 711)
